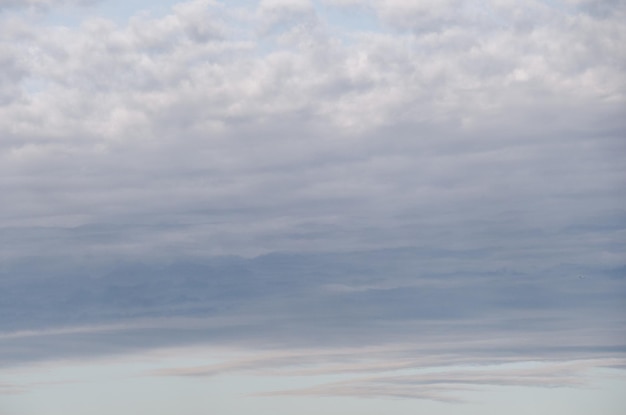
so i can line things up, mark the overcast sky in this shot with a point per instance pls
(417, 202)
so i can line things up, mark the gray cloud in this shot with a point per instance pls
(284, 301)
(263, 178)
(42, 4)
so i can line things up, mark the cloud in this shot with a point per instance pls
(42, 4)
(437, 387)
(10, 389)
(266, 177)
(291, 302)
(397, 373)
(217, 108)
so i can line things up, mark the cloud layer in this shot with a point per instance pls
(296, 174)
(202, 131)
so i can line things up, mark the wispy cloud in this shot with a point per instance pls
(445, 385)
(10, 389)
(404, 372)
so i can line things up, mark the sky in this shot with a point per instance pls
(297, 206)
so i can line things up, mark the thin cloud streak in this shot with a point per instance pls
(442, 385)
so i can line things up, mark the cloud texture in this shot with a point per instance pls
(282, 172)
